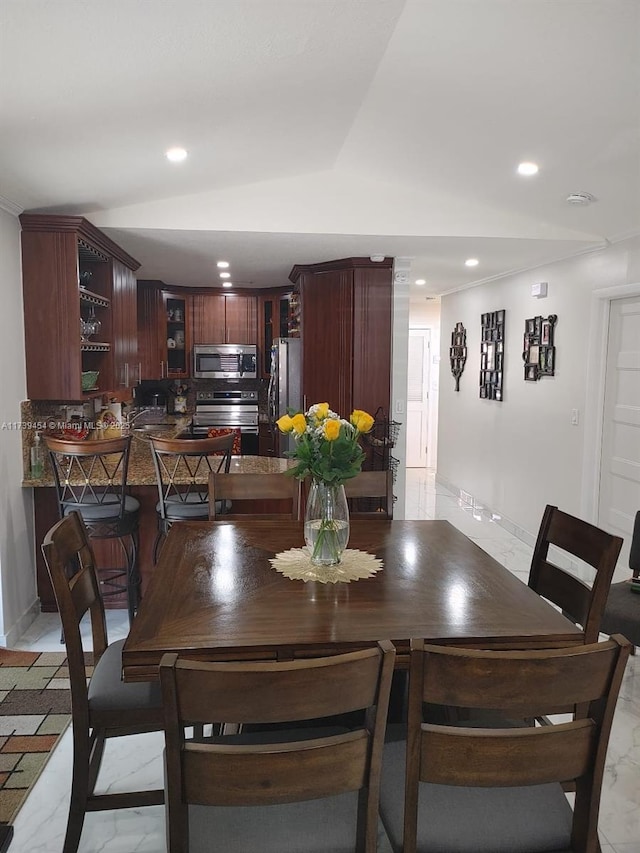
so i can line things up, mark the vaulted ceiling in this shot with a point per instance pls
(320, 129)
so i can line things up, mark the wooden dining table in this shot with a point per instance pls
(214, 595)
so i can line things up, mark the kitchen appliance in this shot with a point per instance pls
(228, 410)
(285, 385)
(225, 361)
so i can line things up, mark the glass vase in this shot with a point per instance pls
(326, 523)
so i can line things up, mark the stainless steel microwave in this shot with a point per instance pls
(225, 361)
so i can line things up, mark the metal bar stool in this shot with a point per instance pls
(91, 478)
(183, 466)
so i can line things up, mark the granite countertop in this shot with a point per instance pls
(141, 469)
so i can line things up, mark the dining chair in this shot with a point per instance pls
(580, 602)
(287, 791)
(279, 490)
(102, 706)
(466, 790)
(182, 468)
(622, 610)
(91, 478)
(584, 604)
(370, 494)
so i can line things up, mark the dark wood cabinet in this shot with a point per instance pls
(274, 311)
(346, 310)
(71, 271)
(220, 318)
(164, 331)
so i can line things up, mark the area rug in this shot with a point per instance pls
(35, 709)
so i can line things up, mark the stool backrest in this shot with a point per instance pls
(183, 467)
(90, 472)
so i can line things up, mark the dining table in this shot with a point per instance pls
(215, 595)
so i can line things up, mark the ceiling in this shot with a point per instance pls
(322, 129)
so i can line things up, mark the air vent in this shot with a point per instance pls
(580, 198)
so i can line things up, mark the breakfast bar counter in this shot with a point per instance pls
(142, 485)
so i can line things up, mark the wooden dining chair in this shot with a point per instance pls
(102, 706)
(468, 790)
(182, 468)
(294, 790)
(278, 493)
(370, 494)
(584, 604)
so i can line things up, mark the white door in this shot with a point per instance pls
(619, 497)
(418, 397)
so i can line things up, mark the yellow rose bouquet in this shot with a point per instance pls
(327, 447)
(328, 451)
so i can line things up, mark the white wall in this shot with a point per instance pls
(17, 564)
(518, 455)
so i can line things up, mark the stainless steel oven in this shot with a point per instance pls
(225, 361)
(228, 409)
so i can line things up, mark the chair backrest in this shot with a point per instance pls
(580, 602)
(370, 494)
(72, 568)
(269, 692)
(90, 472)
(634, 551)
(183, 467)
(523, 684)
(239, 488)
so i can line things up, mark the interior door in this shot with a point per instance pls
(418, 397)
(619, 497)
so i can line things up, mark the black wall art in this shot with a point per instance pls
(458, 352)
(539, 353)
(492, 355)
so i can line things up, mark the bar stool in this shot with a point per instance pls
(183, 467)
(91, 479)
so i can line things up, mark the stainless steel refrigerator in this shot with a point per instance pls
(285, 385)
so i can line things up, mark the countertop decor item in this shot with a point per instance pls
(89, 379)
(327, 450)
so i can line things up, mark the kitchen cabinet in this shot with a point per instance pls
(126, 364)
(274, 313)
(164, 331)
(346, 309)
(224, 318)
(71, 271)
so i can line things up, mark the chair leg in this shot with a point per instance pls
(156, 546)
(80, 788)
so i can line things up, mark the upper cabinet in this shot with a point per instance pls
(164, 331)
(224, 318)
(346, 333)
(79, 308)
(276, 314)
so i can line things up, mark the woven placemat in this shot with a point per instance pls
(354, 565)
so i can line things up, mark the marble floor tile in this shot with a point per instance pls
(40, 824)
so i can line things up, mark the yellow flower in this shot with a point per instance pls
(362, 421)
(299, 423)
(331, 429)
(285, 423)
(322, 410)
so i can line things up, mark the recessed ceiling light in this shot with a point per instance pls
(471, 262)
(227, 284)
(225, 275)
(421, 281)
(222, 265)
(176, 155)
(528, 169)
